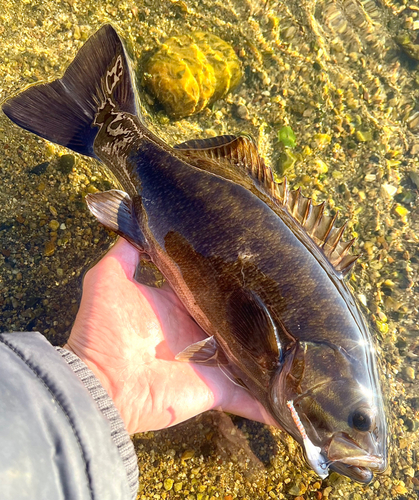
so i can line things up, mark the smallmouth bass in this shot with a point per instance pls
(258, 267)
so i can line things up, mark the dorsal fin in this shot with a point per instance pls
(239, 152)
(320, 227)
(211, 143)
(242, 152)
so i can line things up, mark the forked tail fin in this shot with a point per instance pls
(65, 110)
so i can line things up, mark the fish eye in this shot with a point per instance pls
(361, 420)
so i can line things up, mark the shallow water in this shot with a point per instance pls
(344, 77)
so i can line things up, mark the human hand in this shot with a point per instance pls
(128, 334)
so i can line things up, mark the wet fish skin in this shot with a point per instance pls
(280, 319)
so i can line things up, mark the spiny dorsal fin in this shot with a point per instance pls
(320, 227)
(242, 152)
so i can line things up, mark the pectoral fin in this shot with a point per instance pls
(209, 353)
(205, 352)
(253, 326)
(116, 211)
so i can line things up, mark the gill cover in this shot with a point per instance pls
(340, 409)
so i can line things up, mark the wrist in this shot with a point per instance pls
(112, 388)
(109, 411)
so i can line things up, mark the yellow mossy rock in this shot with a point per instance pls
(190, 72)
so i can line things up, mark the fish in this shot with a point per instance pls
(258, 266)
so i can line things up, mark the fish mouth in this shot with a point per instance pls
(360, 468)
(347, 457)
(359, 474)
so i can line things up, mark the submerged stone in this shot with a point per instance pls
(190, 72)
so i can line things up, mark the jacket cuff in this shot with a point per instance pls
(105, 404)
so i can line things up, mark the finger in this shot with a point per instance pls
(245, 405)
(122, 257)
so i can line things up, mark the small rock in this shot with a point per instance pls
(296, 489)
(39, 169)
(363, 299)
(49, 248)
(409, 471)
(187, 454)
(370, 178)
(327, 491)
(66, 163)
(168, 484)
(177, 487)
(388, 191)
(414, 177)
(242, 112)
(363, 135)
(53, 211)
(409, 373)
(401, 489)
(54, 225)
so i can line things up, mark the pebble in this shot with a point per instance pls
(39, 169)
(409, 471)
(177, 487)
(54, 225)
(414, 177)
(411, 424)
(242, 112)
(53, 211)
(66, 163)
(370, 177)
(401, 489)
(409, 373)
(297, 489)
(49, 248)
(168, 484)
(327, 491)
(363, 299)
(187, 454)
(388, 190)
(363, 135)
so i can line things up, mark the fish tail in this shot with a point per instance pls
(65, 111)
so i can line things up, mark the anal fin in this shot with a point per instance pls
(115, 210)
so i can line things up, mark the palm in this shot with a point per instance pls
(129, 334)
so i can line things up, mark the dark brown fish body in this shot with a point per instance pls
(279, 317)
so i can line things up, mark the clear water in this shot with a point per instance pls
(344, 77)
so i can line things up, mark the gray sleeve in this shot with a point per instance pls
(61, 437)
